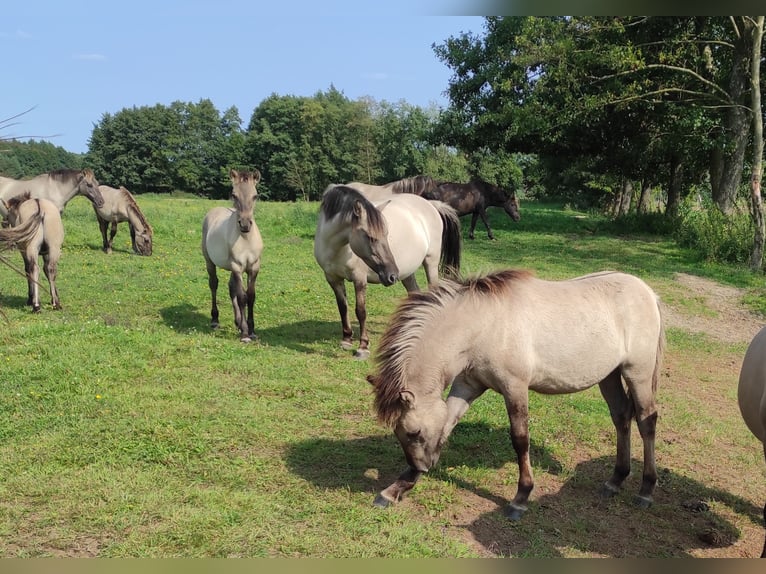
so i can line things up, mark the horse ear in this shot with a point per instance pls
(407, 398)
(371, 379)
(256, 176)
(233, 174)
(382, 206)
(359, 211)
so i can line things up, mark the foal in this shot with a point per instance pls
(231, 241)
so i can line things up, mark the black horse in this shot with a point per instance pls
(475, 197)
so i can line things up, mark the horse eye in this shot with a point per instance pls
(413, 434)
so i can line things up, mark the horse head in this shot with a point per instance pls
(87, 185)
(244, 194)
(499, 197)
(368, 240)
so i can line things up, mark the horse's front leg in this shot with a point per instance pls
(103, 226)
(474, 219)
(239, 304)
(251, 277)
(518, 415)
(212, 281)
(483, 215)
(360, 293)
(338, 286)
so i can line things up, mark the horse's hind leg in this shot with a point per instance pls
(518, 415)
(33, 277)
(112, 233)
(621, 410)
(51, 271)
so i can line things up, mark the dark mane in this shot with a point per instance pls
(339, 200)
(406, 328)
(133, 206)
(14, 202)
(65, 175)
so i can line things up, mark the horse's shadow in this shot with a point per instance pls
(300, 336)
(13, 301)
(573, 516)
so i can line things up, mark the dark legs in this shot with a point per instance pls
(50, 269)
(518, 414)
(212, 281)
(360, 292)
(33, 277)
(474, 218)
(242, 302)
(622, 409)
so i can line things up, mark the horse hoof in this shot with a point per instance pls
(346, 345)
(245, 339)
(514, 512)
(382, 502)
(642, 501)
(214, 325)
(362, 354)
(608, 490)
(36, 308)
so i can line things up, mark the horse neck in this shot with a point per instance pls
(335, 232)
(137, 219)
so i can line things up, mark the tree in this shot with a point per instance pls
(756, 258)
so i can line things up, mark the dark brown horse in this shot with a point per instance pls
(475, 197)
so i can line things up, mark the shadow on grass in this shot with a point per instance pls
(13, 301)
(574, 516)
(185, 318)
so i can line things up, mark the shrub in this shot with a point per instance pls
(714, 235)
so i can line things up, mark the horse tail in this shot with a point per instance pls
(451, 240)
(22, 233)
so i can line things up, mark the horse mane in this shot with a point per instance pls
(14, 202)
(341, 199)
(416, 184)
(133, 206)
(407, 326)
(66, 175)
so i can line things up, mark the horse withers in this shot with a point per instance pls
(511, 332)
(751, 395)
(383, 241)
(58, 186)
(119, 206)
(231, 240)
(44, 237)
(474, 198)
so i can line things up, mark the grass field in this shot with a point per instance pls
(129, 429)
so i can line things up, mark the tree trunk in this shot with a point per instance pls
(626, 197)
(726, 164)
(756, 203)
(644, 200)
(674, 187)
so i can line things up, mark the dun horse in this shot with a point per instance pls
(416, 185)
(58, 186)
(381, 242)
(474, 198)
(37, 223)
(512, 332)
(231, 240)
(120, 205)
(751, 395)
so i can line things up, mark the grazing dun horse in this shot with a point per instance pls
(58, 186)
(231, 241)
(365, 242)
(120, 205)
(751, 395)
(511, 332)
(44, 236)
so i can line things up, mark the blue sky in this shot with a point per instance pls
(76, 60)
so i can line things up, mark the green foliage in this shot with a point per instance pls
(22, 160)
(714, 235)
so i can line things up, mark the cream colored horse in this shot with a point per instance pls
(417, 185)
(511, 332)
(58, 186)
(365, 241)
(47, 239)
(751, 395)
(231, 240)
(120, 205)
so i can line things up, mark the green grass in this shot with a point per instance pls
(129, 429)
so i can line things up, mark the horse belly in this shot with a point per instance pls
(410, 235)
(751, 390)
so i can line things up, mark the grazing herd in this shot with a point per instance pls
(506, 331)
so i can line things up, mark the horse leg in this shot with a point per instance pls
(483, 215)
(112, 233)
(360, 293)
(212, 281)
(518, 415)
(410, 284)
(621, 411)
(132, 237)
(252, 275)
(33, 277)
(51, 270)
(339, 289)
(103, 226)
(239, 303)
(474, 219)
